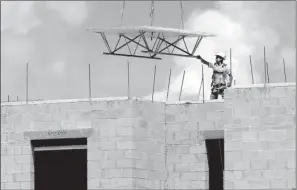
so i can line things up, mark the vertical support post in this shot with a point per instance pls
(154, 83)
(128, 89)
(251, 69)
(200, 87)
(8, 98)
(267, 70)
(27, 84)
(168, 85)
(90, 85)
(17, 98)
(181, 87)
(285, 70)
(202, 83)
(230, 54)
(264, 65)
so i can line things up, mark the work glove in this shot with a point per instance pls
(198, 57)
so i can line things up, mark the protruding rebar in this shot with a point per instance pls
(267, 71)
(168, 85)
(90, 85)
(285, 70)
(128, 88)
(230, 54)
(181, 87)
(265, 79)
(154, 83)
(203, 99)
(200, 87)
(27, 82)
(252, 69)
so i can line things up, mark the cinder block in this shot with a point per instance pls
(95, 155)
(114, 173)
(189, 176)
(242, 165)
(12, 185)
(182, 135)
(108, 164)
(107, 146)
(26, 150)
(23, 177)
(125, 163)
(233, 146)
(233, 175)
(198, 149)
(113, 154)
(259, 184)
(124, 131)
(232, 136)
(123, 182)
(253, 174)
(126, 145)
(273, 135)
(234, 156)
(93, 183)
(248, 136)
(6, 178)
(172, 127)
(27, 185)
(170, 118)
(24, 159)
(94, 164)
(241, 184)
(260, 164)
(278, 164)
(254, 146)
(187, 158)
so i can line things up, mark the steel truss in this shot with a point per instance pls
(152, 50)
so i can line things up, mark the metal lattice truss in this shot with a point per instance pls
(150, 42)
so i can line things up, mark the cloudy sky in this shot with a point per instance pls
(52, 38)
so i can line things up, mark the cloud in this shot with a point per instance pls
(238, 26)
(73, 12)
(59, 67)
(18, 16)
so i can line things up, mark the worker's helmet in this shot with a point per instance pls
(221, 55)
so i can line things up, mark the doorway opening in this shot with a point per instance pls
(215, 155)
(60, 164)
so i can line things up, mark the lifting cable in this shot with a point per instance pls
(122, 12)
(152, 16)
(182, 14)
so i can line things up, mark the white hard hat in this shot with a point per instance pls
(222, 55)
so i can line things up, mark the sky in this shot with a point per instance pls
(51, 37)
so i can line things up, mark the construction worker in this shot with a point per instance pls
(219, 77)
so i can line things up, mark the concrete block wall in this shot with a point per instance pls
(152, 145)
(186, 125)
(260, 135)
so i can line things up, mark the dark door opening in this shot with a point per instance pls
(60, 167)
(215, 155)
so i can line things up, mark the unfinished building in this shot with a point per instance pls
(246, 141)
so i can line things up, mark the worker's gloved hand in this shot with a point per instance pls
(229, 84)
(198, 57)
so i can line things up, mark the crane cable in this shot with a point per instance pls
(122, 12)
(182, 13)
(152, 12)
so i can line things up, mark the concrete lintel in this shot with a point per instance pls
(58, 134)
(213, 134)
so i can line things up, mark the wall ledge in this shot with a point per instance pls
(264, 85)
